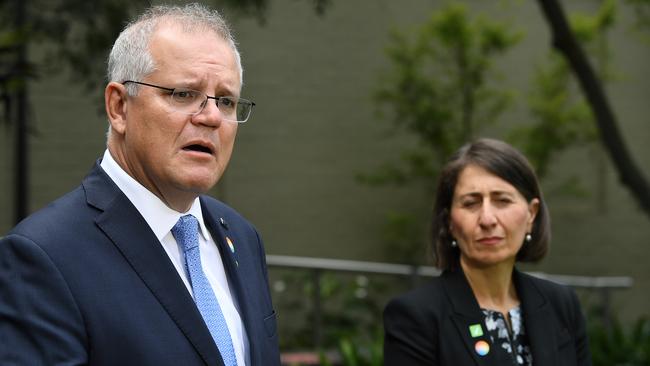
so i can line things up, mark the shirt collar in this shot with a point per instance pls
(155, 212)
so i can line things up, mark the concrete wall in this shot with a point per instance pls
(315, 128)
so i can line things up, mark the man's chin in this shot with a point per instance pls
(198, 185)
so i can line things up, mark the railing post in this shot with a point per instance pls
(606, 308)
(414, 276)
(317, 309)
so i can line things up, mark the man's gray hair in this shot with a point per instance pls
(130, 58)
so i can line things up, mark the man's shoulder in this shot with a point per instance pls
(219, 210)
(215, 204)
(59, 214)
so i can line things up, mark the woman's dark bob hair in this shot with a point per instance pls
(505, 162)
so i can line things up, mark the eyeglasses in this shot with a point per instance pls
(192, 102)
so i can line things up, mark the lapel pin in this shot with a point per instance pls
(223, 223)
(475, 330)
(232, 249)
(230, 244)
(482, 348)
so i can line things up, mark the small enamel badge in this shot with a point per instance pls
(482, 348)
(475, 330)
(223, 223)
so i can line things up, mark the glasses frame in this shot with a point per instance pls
(205, 102)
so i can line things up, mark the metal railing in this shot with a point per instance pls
(602, 284)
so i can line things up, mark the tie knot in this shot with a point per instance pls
(186, 232)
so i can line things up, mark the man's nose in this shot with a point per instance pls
(210, 115)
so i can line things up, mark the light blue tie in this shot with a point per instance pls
(186, 232)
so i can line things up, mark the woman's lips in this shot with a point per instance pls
(492, 240)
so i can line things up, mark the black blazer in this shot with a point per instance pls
(430, 325)
(86, 282)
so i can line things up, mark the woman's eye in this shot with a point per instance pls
(502, 202)
(469, 204)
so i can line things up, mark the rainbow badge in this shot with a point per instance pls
(232, 247)
(482, 348)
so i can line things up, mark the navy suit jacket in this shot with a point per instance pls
(430, 325)
(86, 282)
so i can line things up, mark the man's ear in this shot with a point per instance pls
(115, 98)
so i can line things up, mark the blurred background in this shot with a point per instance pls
(358, 104)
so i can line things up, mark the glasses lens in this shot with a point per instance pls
(244, 108)
(228, 108)
(234, 109)
(191, 101)
(188, 101)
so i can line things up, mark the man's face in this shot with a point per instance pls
(175, 155)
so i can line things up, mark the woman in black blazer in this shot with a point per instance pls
(489, 214)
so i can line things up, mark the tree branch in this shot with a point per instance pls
(565, 42)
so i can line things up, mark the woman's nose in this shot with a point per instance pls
(487, 216)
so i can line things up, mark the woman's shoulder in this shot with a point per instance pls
(561, 297)
(412, 324)
(546, 286)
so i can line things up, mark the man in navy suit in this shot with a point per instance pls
(104, 275)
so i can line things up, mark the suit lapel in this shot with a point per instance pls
(130, 233)
(467, 313)
(538, 321)
(234, 258)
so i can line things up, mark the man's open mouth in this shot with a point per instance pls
(199, 148)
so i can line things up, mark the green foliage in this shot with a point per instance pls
(443, 89)
(73, 33)
(356, 352)
(440, 82)
(642, 11)
(562, 116)
(350, 307)
(401, 233)
(620, 346)
(57, 36)
(587, 28)
(259, 8)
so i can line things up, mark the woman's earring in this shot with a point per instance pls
(454, 244)
(528, 238)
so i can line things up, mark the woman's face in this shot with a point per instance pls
(489, 218)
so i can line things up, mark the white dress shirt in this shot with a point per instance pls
(161, 219)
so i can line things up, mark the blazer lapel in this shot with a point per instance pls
(130, 233)
(234, 258)
(467, 313)
(538, 321)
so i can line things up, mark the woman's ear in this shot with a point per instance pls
(533, 208)
(115, 100)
